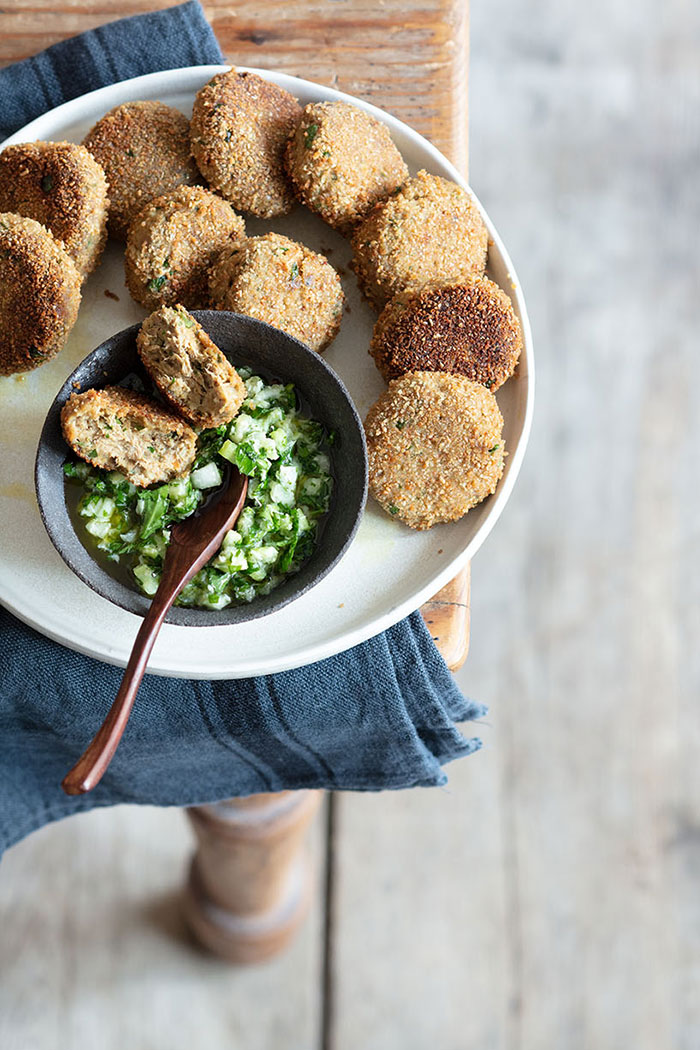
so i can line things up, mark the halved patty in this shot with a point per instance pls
(118, 429)
(61, 186)
(144, 148)
(342, 161)
(429, 232)
(39, 294)
(240, 124)
(435, 447)
(283, 283)
(173, 242)
(470, 329)
(188, 368)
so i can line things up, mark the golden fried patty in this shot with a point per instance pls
(144, 148)
(342, 161)
(61, 186)
(281, 282)
(39, 294)
(188, 368)
(435, 447)
(469, 328)
(118, 429)
(173, 242)
(240, 124)
(429, 232)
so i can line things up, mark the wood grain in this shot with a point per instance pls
(251, 885)
(407, 56)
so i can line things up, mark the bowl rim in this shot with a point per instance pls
(88, 569)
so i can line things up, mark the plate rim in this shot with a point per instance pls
(348, 638)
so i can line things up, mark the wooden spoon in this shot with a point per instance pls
(192, 543)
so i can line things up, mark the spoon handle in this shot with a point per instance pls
(192, 543)
(92, 764)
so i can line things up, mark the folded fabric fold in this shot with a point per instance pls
(378, 716)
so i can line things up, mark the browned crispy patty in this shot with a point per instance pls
(173, 242)
(342, 161)
(435, 447)
(281, 282)
(144, 148)
(39, 294)
(118, 429)
(188, 368)
(469, 328)
(240, 124)
(429, 232)
(61, 186)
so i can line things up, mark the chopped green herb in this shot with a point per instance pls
(47, 184)
(227, 136)
(294, 272)
(326, 153)
(393, 509)
(156, 283)
(92, 453)
(130, 153)
(311, 133)
(400, 424)
(494, 449)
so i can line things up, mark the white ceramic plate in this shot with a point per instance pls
(388, 572)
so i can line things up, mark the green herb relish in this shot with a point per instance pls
(285, 456)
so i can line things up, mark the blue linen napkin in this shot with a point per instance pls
(378, 716)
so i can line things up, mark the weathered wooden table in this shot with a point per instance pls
(249, 887)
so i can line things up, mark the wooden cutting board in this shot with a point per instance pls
(405, 56)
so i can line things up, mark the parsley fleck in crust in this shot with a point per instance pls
(470, 329)
(283, 283)
(60, 185)
(39, 294)
(173, 242)
(342, 161)
(190, 371)
(429, 232)
(118, 429)
(144, 148)
(240, 124)
(435, 447)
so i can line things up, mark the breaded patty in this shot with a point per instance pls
(240, 124)
(188, 368)
(469, 328)
(435, 447)
(281, 282)
(144, 148)
(173, 242)
(39, 294)
(342, 161)
(61, 186)
(118, 429)
(429, 232)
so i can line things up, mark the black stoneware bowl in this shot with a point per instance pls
(276, 356)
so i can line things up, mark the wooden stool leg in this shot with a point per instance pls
(250, 882)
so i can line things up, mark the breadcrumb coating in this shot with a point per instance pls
(190, 371)
(342, 161)
(173, 242)
(429, 232)
(60, 185)
(144, 148)
(435, 447)
(240, 125)
(471, 329)
(283, 283)
(39, 294)
(118, 429)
